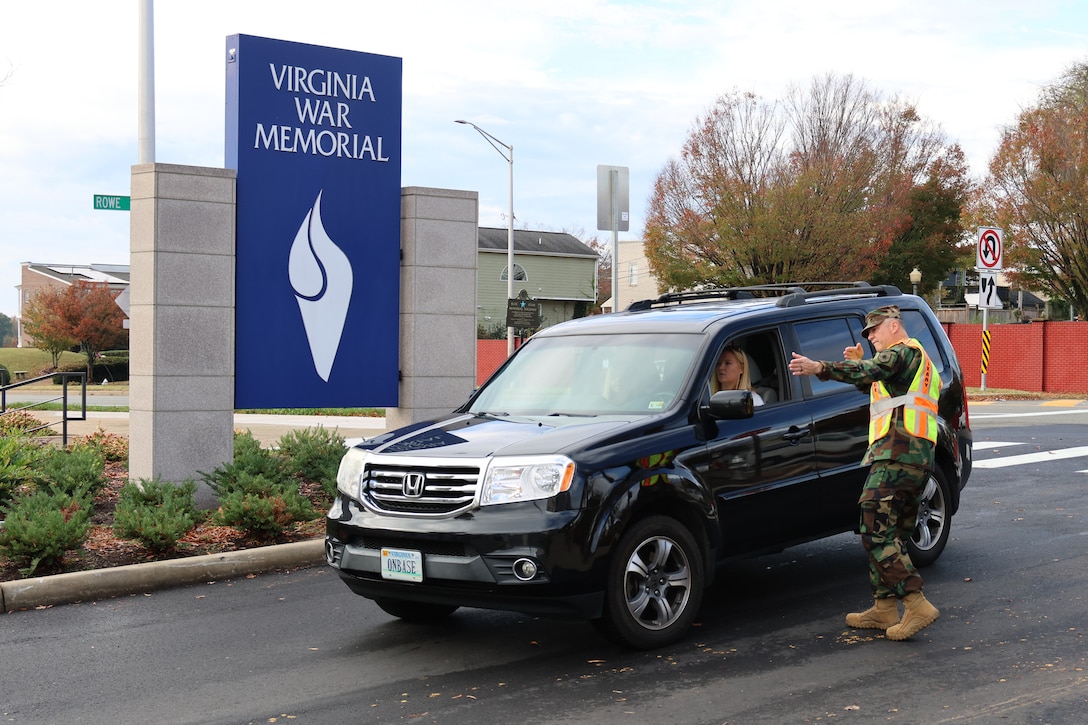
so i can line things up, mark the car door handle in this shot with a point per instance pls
(795, 434)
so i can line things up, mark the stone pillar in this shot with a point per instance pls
(181, 388)
(437, 302)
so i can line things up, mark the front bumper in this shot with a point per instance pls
(469, 560)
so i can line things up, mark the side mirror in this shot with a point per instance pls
(731, 405)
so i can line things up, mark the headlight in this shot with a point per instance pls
(524, 479)
(349, 476)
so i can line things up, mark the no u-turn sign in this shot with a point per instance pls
(990, 255)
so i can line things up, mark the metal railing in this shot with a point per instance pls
(65, 378)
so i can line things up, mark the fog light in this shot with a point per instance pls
(525, 569)
(333, 553)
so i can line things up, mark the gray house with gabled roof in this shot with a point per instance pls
(553, 268)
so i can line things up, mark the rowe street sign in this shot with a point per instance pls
(117, 203)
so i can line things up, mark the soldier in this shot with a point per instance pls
(903, 389)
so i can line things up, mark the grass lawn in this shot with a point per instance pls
(33, 360)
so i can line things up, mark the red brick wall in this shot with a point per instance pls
(490, 354)
(1039, 357)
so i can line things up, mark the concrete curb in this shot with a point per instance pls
(119, 581)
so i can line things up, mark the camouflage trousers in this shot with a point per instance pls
(889, 510)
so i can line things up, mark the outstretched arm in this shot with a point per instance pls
(801, 365)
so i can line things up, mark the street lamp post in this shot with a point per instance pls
(507, 152)
(915, 278)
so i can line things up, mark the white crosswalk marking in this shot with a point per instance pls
(1039, 457)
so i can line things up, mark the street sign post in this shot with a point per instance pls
(613, 213)
(987, 291)
(989, 259)
(115, 203)
(990, 253)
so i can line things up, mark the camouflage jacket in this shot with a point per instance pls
(895, 367)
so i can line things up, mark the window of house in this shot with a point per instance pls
(519, 273)
(632, 274)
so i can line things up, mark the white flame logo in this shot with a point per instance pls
(321, 275)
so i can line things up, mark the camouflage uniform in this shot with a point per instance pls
(901, 464)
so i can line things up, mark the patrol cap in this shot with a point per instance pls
(874, 318)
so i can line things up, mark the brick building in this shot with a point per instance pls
(37, 276)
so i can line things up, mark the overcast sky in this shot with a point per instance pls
(569, 83)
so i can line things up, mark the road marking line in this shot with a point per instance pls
(1061, 403)
(1026, 458)
(1027, 414)
(990, 445)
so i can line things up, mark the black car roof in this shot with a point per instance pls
(695, 311)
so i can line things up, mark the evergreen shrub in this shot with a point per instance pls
(19, 456)
(70, 471)
(42, 525)
(112, 447)
(313, 454)
(156, 514)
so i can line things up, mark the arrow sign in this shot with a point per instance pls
(990, 254)
(987, 292)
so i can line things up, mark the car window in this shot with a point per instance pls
(825, 340)
(763, 351)
(591, 375)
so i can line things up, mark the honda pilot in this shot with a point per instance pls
(596, 475)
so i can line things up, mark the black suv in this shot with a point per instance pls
(595, 475)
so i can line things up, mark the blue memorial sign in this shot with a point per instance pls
(314, 134)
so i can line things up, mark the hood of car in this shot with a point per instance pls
(479, 436)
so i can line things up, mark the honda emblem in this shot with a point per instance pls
(413, 485)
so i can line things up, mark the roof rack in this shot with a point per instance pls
(858, 288)
(797, 292)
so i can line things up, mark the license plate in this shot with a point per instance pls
(402, 565)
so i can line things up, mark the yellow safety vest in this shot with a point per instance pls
(919, 403)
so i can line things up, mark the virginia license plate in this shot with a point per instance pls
(402, 565)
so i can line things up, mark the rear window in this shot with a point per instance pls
(826, 339)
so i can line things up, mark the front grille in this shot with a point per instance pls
(434, 548)
(443, 491)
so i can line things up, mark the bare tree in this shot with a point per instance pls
(814, 187)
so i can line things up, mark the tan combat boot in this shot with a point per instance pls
(918, 614)
(883, 614)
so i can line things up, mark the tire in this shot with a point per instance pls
(416, 611)
(934, 521)
(654, 586)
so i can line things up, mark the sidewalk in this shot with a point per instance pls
(266, 428)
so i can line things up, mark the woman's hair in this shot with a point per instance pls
(745, 380)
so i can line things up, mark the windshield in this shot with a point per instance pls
(591, 375)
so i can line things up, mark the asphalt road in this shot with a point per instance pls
(770, 647)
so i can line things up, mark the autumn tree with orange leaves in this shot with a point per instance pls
(43, 321)
(83, 313)
(815, 187)
(1037, 192)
